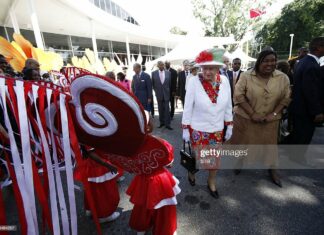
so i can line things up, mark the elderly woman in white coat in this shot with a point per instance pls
(207, 110)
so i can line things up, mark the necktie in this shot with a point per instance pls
(186, 73)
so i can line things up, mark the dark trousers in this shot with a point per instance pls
(302, 134)
(172, 102)
(164, 112)
(182, 101)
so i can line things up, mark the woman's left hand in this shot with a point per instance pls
(270, 117)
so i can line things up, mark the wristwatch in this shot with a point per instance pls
(275, 114)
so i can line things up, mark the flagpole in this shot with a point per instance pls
(291, 43)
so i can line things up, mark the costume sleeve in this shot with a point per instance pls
(189, 104)
(240, 90)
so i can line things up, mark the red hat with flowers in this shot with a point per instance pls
(212, 56)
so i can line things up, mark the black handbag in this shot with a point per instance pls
(188, 161)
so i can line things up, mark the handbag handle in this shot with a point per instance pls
(184, 146)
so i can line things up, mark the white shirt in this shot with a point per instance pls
(201, 113)
(162, 76)
(315, 57)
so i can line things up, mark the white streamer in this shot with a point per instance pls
(52, 189)
(68, 164)
(26, 151)
(31, 229)
(63, 210)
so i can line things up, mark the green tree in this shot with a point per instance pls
(223, 18)
(303, 18)
(177, 30)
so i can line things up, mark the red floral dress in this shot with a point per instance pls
(200, 138)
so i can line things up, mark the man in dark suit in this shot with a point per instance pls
(236, 66)
(307, 108)
(174, 78)
(142, 87)
(228, 73)
(161, 80)
(182, 77)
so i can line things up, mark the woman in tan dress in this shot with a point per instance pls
(259, 97)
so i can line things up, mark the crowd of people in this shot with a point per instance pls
(220, 105)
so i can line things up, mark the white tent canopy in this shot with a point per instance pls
(238, 53)
(190, 48)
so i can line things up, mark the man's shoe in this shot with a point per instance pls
(161, 125)
(169, 128)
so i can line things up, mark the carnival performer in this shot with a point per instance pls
(154, 199)
(207, 109)
(101, 177)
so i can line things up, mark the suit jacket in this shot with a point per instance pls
(182, 85)
(307, 88)
(229, 75)
(162, 91)
(174, 80)
(142, 87)
(238, 76)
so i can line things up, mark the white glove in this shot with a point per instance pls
(186, 135)
(229, 132)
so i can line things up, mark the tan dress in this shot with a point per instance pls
(259, 138)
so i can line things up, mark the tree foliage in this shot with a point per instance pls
(177, 30)
(223, 18)
(303, 18)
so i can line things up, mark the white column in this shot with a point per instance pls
(128, 51)
(94, 41)
(166, 47)
(14, 21)
(34, 21)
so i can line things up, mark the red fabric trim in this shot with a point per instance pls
(78, 157)
(185, 126)
(17, 194)
(228, 123)
(42, 199)
(211, 90)
(3, 220)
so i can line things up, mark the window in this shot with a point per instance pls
(156, 51)
(119, 47)
(145, 50)
(118, 11)
(113, 9)
(56, 41)
(134, 48)
(108, 6)
(80, 43)
(29, 35)
(102, 5)
(102, 45)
